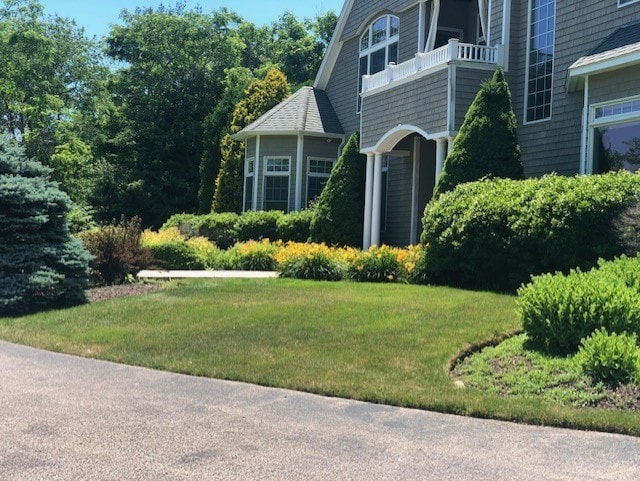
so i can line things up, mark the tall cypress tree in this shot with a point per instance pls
(339, 212)
(260, 97)
(486, 144)
(41, 265)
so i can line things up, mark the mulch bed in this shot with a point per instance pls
(97, 294)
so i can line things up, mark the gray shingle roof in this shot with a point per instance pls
(306, 111)
(621, 37)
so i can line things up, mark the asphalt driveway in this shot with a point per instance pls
(67, 418)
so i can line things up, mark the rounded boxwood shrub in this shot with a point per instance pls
(294, 226)
(610, 358)
(494, 234)
(258, 225)
(219, 228)
(557, 311)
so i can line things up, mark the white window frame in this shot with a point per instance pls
(613, 119)
(249, 173)
(390, 40)
(625, 3)
(317, 174)
(272, 173)
(527, 65)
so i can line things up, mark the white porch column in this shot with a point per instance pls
(415, 190)
(368, 199)
(506, 32)
(584, 139)
(422, 24)
(450, 144)
(377, 200)
(256, 174)
(441, 155)
(433, 26)
(299, 164)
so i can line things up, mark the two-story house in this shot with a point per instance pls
(404, 72)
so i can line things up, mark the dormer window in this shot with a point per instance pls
(378, 47)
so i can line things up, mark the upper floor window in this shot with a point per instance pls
(622, 3)
(378, 47)
(540, 60)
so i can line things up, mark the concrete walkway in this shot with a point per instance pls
(151, 274)
(67, 418)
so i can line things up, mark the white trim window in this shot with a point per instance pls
(276, 183)
(540, 50)
(624, 3)
(614, 136)
(249, 172)
(318, 172)
(378, 47)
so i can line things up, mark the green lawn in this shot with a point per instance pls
(390, 343)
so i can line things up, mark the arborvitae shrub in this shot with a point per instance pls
(494, 234)
(486, 145)
(41, 265)
(339, 211)
(259, 97)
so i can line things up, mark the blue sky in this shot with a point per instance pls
(96, 16)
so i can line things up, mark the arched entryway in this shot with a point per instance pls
(402, 170)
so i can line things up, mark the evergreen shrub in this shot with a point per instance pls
(219, 228)
(496, 233)
(258, 225)
(339, 210)
(41, 264)
(557, 311)
(294, 226)
(486, 145)
(610, 358)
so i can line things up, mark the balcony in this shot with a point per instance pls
(425, 62)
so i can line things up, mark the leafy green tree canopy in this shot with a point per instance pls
(259, 97)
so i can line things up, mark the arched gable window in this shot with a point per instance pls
(378, 47)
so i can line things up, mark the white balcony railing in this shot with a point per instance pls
(454, 50)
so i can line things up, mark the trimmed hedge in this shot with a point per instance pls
(494, 234)
(227, 228)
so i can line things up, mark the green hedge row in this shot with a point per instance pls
(225, 229)
(495, 234)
